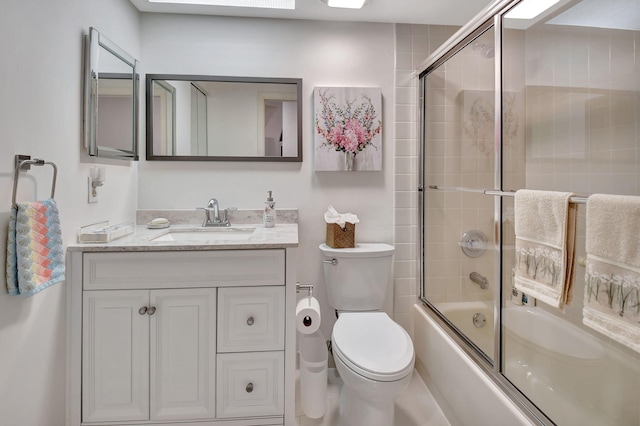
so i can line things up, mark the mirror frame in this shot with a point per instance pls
(150, 78)
(93, 42)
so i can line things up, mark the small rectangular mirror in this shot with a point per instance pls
(214, 118)
(110, 99)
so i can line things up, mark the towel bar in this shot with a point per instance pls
(578, 199)
(25, 160)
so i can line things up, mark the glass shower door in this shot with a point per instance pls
(572, 74)
(459, 161)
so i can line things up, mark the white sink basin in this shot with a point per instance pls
(206, 234)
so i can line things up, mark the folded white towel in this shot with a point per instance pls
(612, 277)
(545, 223)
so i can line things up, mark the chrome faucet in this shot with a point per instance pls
(213, 208)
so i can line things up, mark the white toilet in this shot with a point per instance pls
(373, 354)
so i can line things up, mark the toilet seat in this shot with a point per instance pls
(373, 345)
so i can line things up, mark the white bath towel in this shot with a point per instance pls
(545, 224)
(612, 277)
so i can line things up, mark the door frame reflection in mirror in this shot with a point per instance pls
(167, 117)
(97, 46)
(261, 97)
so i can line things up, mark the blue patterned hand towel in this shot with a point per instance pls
(35, 253)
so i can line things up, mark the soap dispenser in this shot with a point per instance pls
(269, 212)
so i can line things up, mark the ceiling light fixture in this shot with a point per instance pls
(529, 9)
(347, 4)
(264, 4)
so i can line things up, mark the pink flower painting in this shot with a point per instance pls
(348, 128)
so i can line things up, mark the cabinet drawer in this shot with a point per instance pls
(144, 270)
(250, 384)
(251, 319)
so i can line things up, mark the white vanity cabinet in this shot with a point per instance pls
(198, 337)
(148, 355)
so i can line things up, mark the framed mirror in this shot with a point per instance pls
(110, 99)
(214, 118)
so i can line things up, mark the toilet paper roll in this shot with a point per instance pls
(308, 315)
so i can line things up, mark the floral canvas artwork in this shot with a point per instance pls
(348, 128)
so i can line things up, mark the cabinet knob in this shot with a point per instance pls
(152, 310)
(250, 321)
(142, 310)
(249, 388)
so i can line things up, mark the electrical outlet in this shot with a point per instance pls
(93, 192)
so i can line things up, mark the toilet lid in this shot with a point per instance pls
(373, 345)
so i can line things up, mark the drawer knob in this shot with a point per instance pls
(250, 321)
(249, 388)
(152, 310)
(142, 310)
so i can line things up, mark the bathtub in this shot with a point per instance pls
(462, 314)
(463, 391)
(569, 374)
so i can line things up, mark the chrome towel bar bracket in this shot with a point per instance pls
(25, 162)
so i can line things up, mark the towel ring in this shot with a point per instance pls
(20, 163)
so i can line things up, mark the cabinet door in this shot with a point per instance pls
(250, 384)
(183, 336)
(115, 360)
(251, 319)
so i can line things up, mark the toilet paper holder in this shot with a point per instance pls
(307, 287)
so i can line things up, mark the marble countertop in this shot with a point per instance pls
(282, 235)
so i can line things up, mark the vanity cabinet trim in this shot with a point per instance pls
(126, 270)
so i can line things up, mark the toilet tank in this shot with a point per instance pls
(358, 278)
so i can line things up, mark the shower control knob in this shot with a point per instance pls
(473, 243)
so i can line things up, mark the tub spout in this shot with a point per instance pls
(482, 281)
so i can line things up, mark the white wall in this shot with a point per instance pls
(41, 116)
(322, 54)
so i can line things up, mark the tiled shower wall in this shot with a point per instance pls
(583, 119)
(448, 272)
(414, 43)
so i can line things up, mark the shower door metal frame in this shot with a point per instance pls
(457, 46)
(491, 16)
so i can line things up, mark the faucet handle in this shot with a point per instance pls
(224, 215)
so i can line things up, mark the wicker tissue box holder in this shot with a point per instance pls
(338, 237)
